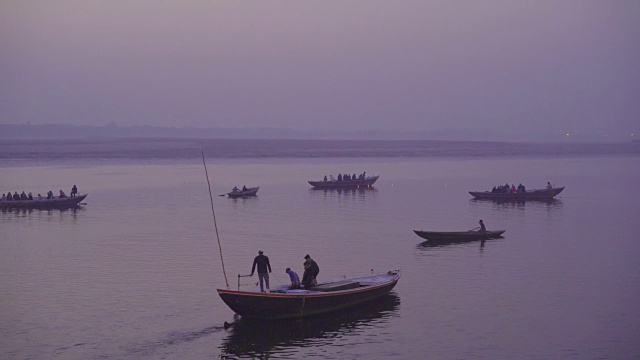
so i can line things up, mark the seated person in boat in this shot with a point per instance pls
(30, 196)
(295, 280)
(339, 177)
(62, 194)
(4, 197)
(325, 178)
(244, 188)
(16, 197)
(23, 196)
(235, 189)
(40, 197)
(9, 196)
(311, 271)
(49, 195)
(549, 186)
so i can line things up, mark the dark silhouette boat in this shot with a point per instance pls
(55, 203)
(282, 303)
(458, 236)
(243, 193)
(367, 182)
(537, 194)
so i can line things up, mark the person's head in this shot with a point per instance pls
(480, 221)
(288, 270)
(307, 257)
(260, 252)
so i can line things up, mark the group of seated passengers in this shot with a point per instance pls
(347, 177)
(244, 188)
(17, 197)
(506, 189)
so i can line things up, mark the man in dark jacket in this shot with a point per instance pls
(262, 262)
(311, 271)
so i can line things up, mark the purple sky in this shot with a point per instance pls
(517, 66)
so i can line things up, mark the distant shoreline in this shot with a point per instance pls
(114, 131)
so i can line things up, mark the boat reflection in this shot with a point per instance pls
(344, 192)
(24, 212)
(440, 244)
(518, 204)
(260, 339)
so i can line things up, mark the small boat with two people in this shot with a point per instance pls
(245, 192)
(346, 181)
(511, 193)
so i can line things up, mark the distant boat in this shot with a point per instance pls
(284, 303)
(537, 194)
(243, 193)
(458, 236)
(54, 203)
(367, 182)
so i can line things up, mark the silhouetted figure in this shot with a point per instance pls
(262, 262)
(311, 271)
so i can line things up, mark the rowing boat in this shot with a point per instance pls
(54, 203)
(538, 194)
(367, 182)
(283, 302)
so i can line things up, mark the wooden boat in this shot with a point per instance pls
(458, 236)
(243, 193)
(345, 184)
(537, 194)
(283, 302)
(54, 203)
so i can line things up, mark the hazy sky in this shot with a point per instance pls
(516, 66)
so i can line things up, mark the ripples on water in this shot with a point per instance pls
(133, 273)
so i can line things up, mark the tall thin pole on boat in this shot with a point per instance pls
(215, 224)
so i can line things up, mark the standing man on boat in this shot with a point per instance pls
(311, 271)
(262, 262)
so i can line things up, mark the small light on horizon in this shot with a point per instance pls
(567, 134)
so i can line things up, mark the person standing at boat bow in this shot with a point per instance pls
(264, 268)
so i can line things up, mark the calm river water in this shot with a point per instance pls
(132, 274)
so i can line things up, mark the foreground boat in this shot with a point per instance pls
(345, 184)
(243, 193)
(283, 302)
(458, 236)
(54, 203)
(538, 194)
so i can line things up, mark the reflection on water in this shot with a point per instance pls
(71, 211)
(548, 204)
(440, 244)
(263, 339)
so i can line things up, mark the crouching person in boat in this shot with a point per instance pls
(295, 280)
(311, 271)
(262, 262)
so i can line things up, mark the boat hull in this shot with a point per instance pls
(540, 194)
(43, 204)
(345, 184)
(249, 192)
(458, 236)
(301, 303)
